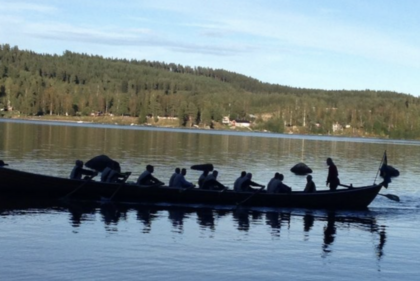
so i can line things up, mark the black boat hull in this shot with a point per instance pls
(16, 184)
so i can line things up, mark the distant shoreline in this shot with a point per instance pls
(131, 126)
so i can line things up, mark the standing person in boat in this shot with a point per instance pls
(174, 175)
(181, 182)
(274, 183)
(247, 183)
(310, 185)
(211, 182)
(146, 178)
(202, 177)
(78, 171)
(332, 180)
(238, 182)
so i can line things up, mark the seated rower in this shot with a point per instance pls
(282, 188)
(247, 183)
(238, 182)
(202, 178)
(113, 174)
(146, 178)
(181, 182)
(174, 175)
(2, 164)
(310, 185)
(78, 172)
(211, 182)
(274, 183)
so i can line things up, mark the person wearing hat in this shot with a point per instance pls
(78, 171)
(310, 185)
(3, 164)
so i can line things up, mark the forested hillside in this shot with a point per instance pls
(78, 84)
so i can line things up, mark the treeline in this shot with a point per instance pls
(80, 84)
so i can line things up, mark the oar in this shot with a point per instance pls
(77, 188)
(389, 196)
(249, 197)
(126, 175)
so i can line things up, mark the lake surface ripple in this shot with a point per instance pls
(81, 241)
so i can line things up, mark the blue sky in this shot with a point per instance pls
(323, 44)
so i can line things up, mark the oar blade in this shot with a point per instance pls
(393, 197)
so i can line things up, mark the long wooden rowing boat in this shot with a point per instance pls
(15, 184)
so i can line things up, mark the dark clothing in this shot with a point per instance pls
(310, 187)
(171, 180)
(246, 185)
(78, 172)
(385, 174)
(148, 179)
(211, 182)
(332, 178)
(201, 180)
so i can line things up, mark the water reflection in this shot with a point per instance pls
(329, 232)
(322, 226)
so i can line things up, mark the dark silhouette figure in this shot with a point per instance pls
(310, 185)
(78, 171)
(211, 182)
(202, 177)
(332, 179)
(238, 182)
(247, 183)
(180, 181)
(283, 188)
(171, 180)
(276, 185)
(146, 178)
(113, 174)
(3, 164)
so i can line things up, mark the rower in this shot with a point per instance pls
(247, 183)
(282, 188)
(310, 185)
(78, 172)
(276, 185)
(238, 182)
(181, 182)
(273, 184)
(174, 175)
(3, 164)
(211, 182)
(146, 178)
(202, 177)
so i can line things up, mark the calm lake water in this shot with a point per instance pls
(75, 241)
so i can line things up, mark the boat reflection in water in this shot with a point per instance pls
(324, 224)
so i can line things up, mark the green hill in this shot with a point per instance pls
(82, 85)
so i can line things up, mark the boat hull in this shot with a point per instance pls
(29, 186)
